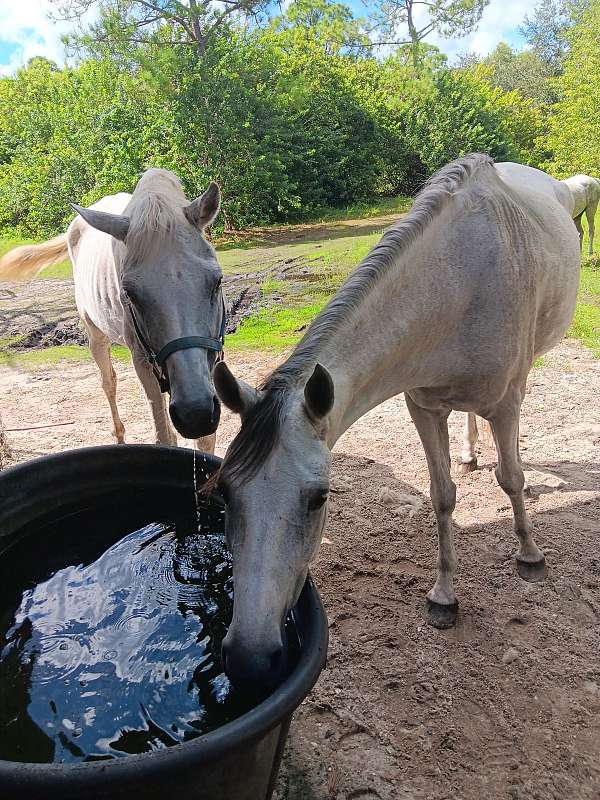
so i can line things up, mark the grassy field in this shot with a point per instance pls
(328, 250)
(586, 322)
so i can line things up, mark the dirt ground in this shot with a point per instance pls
(507, 704)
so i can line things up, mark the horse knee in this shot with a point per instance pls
(443, 497)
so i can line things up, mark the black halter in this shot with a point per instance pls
(157, 360)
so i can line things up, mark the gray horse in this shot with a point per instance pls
(146, 277)
(585, 196)
(451, 307)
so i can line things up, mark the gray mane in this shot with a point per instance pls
(260, 427)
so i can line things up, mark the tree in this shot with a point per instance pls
(330, 24)
(409, 22)
(546, 30)
(524, 71)
(575, 125)
(134, 22)
(466, 114)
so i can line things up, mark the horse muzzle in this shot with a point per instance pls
(255, 670)
(193, 420)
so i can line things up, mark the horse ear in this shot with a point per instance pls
(238, 396)
(202, 211)
(114, 224)
(319, 393)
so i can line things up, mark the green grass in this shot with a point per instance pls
(273, 329)
(61, 271)
(364, 209)
(271, 286)
(330, 261)
(48, 356)
(586, 322)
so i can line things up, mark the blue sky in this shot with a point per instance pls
(26, 31)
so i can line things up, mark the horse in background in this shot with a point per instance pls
(146, 277)
(585, 196)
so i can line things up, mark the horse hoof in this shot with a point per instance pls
(464, 467)
(441, 616)
(532, 571)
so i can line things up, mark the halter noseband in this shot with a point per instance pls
(157, 360)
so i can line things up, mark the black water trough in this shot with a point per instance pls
(238, 761)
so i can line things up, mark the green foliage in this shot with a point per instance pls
(523, 71)
(290, 119)
(574, 134)
(546, 30)
(465, 113)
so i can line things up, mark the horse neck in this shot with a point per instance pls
(391, 342)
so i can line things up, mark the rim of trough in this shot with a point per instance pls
(27, 487)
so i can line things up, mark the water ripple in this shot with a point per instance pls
(121, 655)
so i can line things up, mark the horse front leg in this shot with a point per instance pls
(442, 605)
(206, 444)
(100, 348)
(164, 432)
(510, 476)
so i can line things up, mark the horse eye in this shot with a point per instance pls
(127, 295)
(318, 500)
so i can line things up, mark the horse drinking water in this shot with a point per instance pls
(146, 277)
(451, 307)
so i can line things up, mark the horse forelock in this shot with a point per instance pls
(155, 210)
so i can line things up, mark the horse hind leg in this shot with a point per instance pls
(509, 473)
(579, 226)
(442, 605)
(100, 347)
(468, 456)
(590, 214)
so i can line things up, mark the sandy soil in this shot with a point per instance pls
(506, 705)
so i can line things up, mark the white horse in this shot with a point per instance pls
(451, 307)
(585, 196)
(146, 277)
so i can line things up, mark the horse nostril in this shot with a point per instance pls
(252, 670)
(276, 660)
(216, 409)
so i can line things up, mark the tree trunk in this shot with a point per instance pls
(198, 37)
(414, 37)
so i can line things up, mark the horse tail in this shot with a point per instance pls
(25, 262)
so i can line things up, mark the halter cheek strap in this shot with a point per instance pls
(157, 360)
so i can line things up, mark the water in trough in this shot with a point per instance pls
(110, 652)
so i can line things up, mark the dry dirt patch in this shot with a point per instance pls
(507, 705)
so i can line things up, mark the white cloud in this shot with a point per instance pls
(25, 23)
(500, 22)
